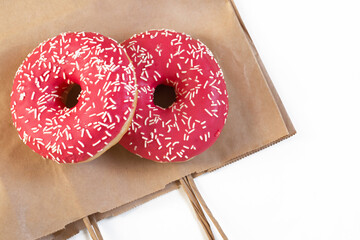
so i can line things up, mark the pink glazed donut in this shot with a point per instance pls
(105, 106)
(194, 121)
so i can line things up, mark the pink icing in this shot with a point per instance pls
(194, 121)
(100, 66)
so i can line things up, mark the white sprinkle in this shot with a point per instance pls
(96, 143)
(157, 73)
(206, 84)
(189, 122)
(111, 100)
(208, 112)
(109, 116)
(22, 96)
(81, 143)
(88, 133)
(79, 150)
(103, 124)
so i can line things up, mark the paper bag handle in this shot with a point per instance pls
(196, 200)
(92, 227)
(199, 205)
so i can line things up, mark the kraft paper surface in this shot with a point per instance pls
(39, 197)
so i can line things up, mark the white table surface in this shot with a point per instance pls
(306, 187)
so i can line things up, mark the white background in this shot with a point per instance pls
(306, 187)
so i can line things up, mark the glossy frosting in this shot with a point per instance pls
(194, 121)
(107, 99)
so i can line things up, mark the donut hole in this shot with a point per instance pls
(71, 95)
(164, 96)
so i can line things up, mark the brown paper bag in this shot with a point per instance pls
(39, 197)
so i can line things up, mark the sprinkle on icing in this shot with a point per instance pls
(108, 88)
(191, 124)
